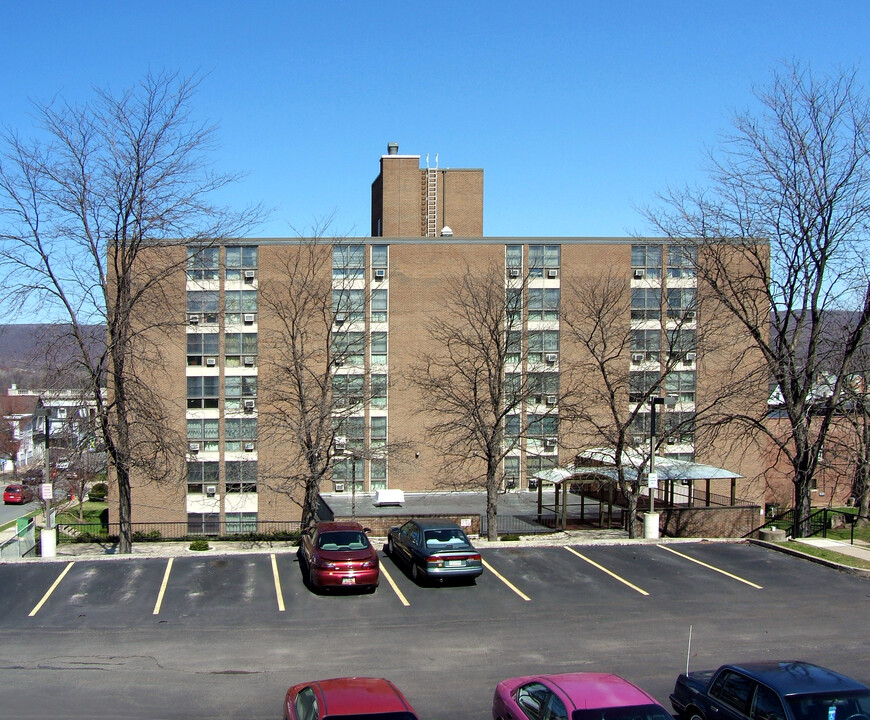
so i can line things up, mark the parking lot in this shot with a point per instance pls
(223, 636)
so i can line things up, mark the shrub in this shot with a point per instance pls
(510, 537)
(199, 545)
(98, 492)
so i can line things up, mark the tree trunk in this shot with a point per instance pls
(632, 514)
(491, 505)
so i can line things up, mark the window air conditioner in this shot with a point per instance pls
(249, 360)
(249, 405)
(340, 318)
(339, 487)
(672, 440)
(249, 447)
(210, 490)
(690, 315)
(549, 442)
(514, 272)
(193, 447)
(639, 439)
(639, 273)
(249, 318)
(552, 272)
(340, 443)
(551, 399)
(250, 275)
(380, 274)
(690, 357)
(193, 319)
(551, 357)
(637, 357)
(211, 362)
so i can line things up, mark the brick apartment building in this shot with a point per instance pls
(222, 359)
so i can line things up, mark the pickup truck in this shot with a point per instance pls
(770, 691)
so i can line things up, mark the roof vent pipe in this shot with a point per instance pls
(393, 148)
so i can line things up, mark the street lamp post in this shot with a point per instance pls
(48, 536)
(651, 519)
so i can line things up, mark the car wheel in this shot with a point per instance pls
(417, 574)
(694, 714)
(311, 583)
(390, 547)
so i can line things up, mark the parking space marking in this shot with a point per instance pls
(277, 584)
(163, 587)
(506, 581)
(394, 586)
(51, 589)
(710, 567)
(605, 570)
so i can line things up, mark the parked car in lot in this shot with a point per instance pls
(16, 494)
(770, 691)
(339, 554)
(434, 549)
(351, 698)
(574, 696)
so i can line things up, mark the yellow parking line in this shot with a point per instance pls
(51, 589)
(710, 567)
(605, 570)
(163, 587)
(506, 581)
(277, 584)
(394, 586)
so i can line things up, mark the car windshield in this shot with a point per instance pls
(343, 540)
(831, 706)
(375, 716)
(445, 537)
(632, 712)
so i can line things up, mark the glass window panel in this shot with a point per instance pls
(380, 256)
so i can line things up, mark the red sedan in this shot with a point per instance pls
(371, 698)
(16, 494)
(339, 554)
(574, 696)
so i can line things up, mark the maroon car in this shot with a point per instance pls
(371, 698)
(16, 494)
(339, 554)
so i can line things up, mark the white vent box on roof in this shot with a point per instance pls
(389, 497)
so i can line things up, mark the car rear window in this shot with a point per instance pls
(632, 712)
(830, 706)
(343, 540)
(445, 537)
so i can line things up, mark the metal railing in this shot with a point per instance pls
(820, 521)
(160, 531)
(22, 544)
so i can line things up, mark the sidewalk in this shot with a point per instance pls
(858, 550)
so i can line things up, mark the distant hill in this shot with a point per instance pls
(42, 355)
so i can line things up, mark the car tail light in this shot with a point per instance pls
(325, 565)
(369, 563)
(435, 561)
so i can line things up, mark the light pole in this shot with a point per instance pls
(651, 519)
(48, 536)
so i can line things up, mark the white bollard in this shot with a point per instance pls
(651, 526)
(48, 542)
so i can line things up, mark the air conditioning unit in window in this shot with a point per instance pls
(551, 399)
(250, 275)
(550, 442)
(193, 319)
(249, 318)
(690, 357)
(210, 490)
(193, 447)
(639, 273)
(211, 362)
(249, 360)
(672, 440)
(340, 443)
(552, 272)
(551, 357)
(380, 273)
(339, 362)
(514, 272)
(690, 315)
(249, 447)
(339, 487)
(639, 439)
(637, 357)
(250, 405)
(340, 318)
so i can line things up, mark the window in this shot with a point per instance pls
(352, 429)
(347, 390)
(241, 306)
(306, 705)
(766, 705)
(514, 260)
(202, 391)
(681, 303)
(237, 388)
(513, 385)
(538, 463)
(201, 346)
(543, 258)
(207, 432)
(351, 471)
(640, 385)
(514, 349)
(679, 425)
(680, 342)
(512, 468)
(648, 260)
(379, 348)
(202, 263)
(646, 304)
(514, 307)
(380, 256)
(240, 349)
(542, 343)
(379, 390)
(378, 470)
(542, 426)
(239, 432)
(543, 303)
(204, 305)
(241, 477)
(647, 343)
(240, 259)
(379, 306)
(512, 427)
(378, 431)
(348, 261)
(682, 260)
(543, 384)
(348, 306)
(348, 348)
(201, 475)
(733, 689)
(682, 384)
(241, 522)
(203, 523)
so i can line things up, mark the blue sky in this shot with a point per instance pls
(578, 112)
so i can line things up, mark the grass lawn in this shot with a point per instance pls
(92, 512)
(827, 554)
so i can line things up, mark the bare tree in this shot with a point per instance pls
(784, 221)
(473, 380)
(115, 177)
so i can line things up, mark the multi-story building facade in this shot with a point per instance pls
(225, 361)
